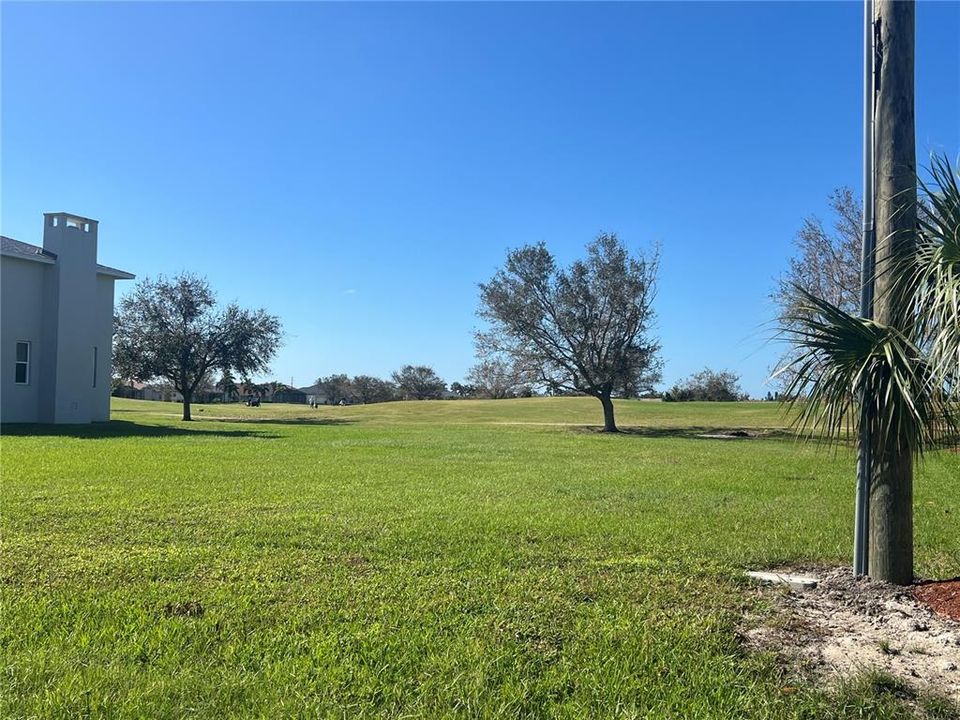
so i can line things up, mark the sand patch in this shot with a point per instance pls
(846, 625)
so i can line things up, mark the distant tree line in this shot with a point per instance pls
(493, 379)
(411, 382)
(707, 385)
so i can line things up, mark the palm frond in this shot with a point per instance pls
(840, 360)
(931, 273)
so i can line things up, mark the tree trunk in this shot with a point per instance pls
(187, 398)
(609, 424)
(891, 493)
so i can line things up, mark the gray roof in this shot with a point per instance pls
(26, 251)
(114, 272)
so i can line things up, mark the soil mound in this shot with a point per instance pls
(847, 624)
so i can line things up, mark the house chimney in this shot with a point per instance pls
(72, 235)
(70, 302)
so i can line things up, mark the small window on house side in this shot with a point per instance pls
(22, 366)
(94, 365)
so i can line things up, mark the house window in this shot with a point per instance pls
(94, 365)
(22, 366)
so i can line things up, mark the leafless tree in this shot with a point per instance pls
(586, 328)
(495, 378)
(826, 264)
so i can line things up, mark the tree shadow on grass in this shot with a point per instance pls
(279, 421)
(948, 443)
(173, 407)
(696, 432)
(121, 429)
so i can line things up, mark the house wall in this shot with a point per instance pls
(150, 393)
(47, 367)
(103, 339)
(21, 302)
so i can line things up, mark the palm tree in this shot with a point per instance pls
(910, 363)
(227, 385)
(932, 274)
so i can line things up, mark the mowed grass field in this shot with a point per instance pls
(475, 559)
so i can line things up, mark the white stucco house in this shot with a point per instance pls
(56, 325)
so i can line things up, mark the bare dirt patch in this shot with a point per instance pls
(848, 625)
(731, 435)
(191, 608)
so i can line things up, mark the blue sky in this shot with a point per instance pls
(358, 168)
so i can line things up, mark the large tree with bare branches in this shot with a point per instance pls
(586, 328)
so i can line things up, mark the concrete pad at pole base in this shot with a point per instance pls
(797, 582)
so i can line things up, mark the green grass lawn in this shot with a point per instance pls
(436, 559)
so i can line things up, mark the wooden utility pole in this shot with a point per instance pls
(891, 489)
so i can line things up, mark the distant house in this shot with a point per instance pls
(137, 390)
(56, 325)
(314, 395)
(129, 391)
(289, 395)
